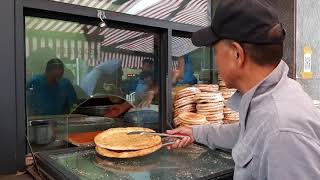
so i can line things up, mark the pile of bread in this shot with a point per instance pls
(230, 116)
(204, 104)
(210, 103)
(190, 119)
(117, 143)
(184, 101)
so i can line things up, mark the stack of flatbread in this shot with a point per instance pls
(210, 104)
(190, 119)
(207, 87)
(184, 101)
(226, 92)
(116, 143)
(230, 116)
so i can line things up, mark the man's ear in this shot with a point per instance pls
(239, 53)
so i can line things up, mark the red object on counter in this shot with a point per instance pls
(83, 139)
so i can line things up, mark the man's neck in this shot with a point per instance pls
(51, 81)
(253, 75)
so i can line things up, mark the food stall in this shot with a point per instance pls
(84, 34)
(99, 43)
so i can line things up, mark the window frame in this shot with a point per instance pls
(70, 12)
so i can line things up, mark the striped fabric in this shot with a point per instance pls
(91, 50)
(194, 13)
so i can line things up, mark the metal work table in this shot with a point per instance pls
(193, 162)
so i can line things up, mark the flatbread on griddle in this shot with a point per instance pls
(127, 154)
(118, 139)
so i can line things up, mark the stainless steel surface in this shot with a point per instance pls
(153, 133)
(47, 131)
(42, 134)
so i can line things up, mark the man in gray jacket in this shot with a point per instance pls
(279, 130)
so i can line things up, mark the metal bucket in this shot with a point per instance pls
(42, 132)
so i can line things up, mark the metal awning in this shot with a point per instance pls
(96, 51)
(193, 12)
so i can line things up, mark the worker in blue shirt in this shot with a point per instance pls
(184, 72)
(50, 93)
(107, 73)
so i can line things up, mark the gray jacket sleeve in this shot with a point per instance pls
(289, 155)
(224, 136)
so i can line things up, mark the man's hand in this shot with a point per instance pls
(182, 142)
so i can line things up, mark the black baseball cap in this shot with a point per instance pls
(244, 21)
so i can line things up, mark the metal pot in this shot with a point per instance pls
(42, 131)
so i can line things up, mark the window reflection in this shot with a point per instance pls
(193, 12)
(86, 79)
(50, 93)
(191, 66)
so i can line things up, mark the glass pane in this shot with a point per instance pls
(192, 162)
(84, 79)
(194, 12)
(198, 92)
(308, 43)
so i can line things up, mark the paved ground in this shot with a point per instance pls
(16, 177)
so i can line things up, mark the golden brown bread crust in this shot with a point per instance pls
(127, 154)
(118, 139)
(189, 118)
(207, 87)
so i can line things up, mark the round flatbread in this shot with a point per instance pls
(218, 115)
(179, 111)
(186, 107)
(127, 154)
(210, 112)
(188, 98)
(215, 120)
(211, 95)
(210, 106)
(183, 102)
(183, 95)
(203, 101)
(232, 116)
(190, 91)
(176, 114)
(118, 139)
(229, 122)
(194, 123)
(189, 116)
(207, 87)
(228, 111)
(206, 110)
